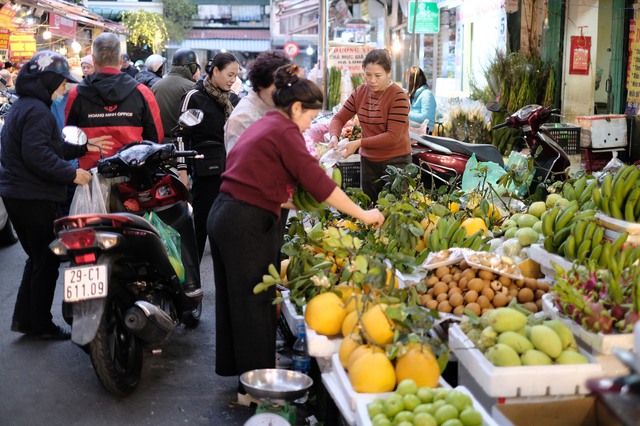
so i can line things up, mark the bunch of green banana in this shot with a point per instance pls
(305, 201)
(581, 190)
(401, 231)
(619, 196)
(448, 233)
(268, 280)
(557, 224)
(583, 242)
(618, 257)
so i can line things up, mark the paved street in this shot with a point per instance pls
(53, 383)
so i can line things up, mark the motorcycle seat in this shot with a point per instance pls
(140, 222)
(484, 152)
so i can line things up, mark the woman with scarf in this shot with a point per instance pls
(213, 96)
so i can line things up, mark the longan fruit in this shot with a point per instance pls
(432, 280)
(453, 284)
(525, 295)
(458, 310)
(531, 307)
(425, 298)
(505, 281)
(442, 271)
(446, 278)
(471, 296)
(488, 293)
(442, 297)
(486, 275)
(457, 276)
(483, 302)
(475, 284)
(531, 283)
(462, 282)
(454, 290)
(469, 274)
(539, 294)
(474, 307)
(432, 304)
(444, 306)
(539, 304)
(500, 300)
(440, 288)
(463, 264)
(456, 299)
(543, 285)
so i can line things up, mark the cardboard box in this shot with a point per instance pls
(603, 131)
(564, 412)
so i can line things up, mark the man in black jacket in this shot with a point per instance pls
(127, 66)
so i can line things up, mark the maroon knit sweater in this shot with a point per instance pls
(384, 120)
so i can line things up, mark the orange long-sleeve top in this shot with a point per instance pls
(384, 119)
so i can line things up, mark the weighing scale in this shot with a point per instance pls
(275, 388)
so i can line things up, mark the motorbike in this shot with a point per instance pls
(551, 162)
(442, 159)
(122, 290)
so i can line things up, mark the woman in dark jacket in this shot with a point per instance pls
(213, 96)
(33, 182)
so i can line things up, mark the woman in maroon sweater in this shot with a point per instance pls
(270, 157)
(383, 111)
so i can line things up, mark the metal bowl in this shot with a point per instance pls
(276, 384)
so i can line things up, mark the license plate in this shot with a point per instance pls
(85, 282)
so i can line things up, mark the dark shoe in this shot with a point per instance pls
(19, 327)
(193, 291)
(55, 332)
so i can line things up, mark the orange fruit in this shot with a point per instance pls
(347, 346)
(361, 350)
(376, 326)
(419, 364)
(325, 314)
(350, 324)
(372, 373)
(473, 224)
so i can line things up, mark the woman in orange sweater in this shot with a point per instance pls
(383, 111)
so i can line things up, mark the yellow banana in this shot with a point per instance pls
(598, 236)
(560, 236)
(549, 219)
(596, 252)
(630, 205)
(570, 248)
(607, 186)
(614, 208)
(587, 193)
(597, 197)
(579, 186)
(583, 250)
(563, 218)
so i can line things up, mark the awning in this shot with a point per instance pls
(234, 2)
(245, 40)
(74, 12)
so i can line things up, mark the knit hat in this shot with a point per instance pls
(87, 60)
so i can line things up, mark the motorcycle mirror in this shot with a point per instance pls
(493, 106)
(191, 117)
(74, 135)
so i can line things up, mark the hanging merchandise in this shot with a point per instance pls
(580, 59)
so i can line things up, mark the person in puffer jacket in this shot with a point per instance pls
(34, 175)
(152, 71)
(112, 104)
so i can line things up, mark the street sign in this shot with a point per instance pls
(428, 18)
(291, 49)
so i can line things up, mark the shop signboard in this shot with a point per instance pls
(62, 27)
(4, 39)
(7, 13)
(633, 74)
(427, 19)
(348, 56)
(22, 46)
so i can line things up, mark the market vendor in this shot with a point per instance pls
(382, 108)
(270, 157)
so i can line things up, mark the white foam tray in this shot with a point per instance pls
(538, 254)
(543, 380)
(597, 343)
(362, 416)
(613, 227)
(321, 346)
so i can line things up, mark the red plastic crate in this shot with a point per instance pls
(594, 161)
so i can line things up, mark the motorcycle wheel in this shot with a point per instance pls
(116, 353)
(191, 319)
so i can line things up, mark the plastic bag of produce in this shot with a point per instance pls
(519, 164)
(170, 240)
(479, 174)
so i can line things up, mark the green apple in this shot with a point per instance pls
(403, 416)
(407, 386)
(374, 408)
(470, 417)
(440, 393)
(425, 394)
(437, 404)
(452, 422)
(423, 408)
(424, 419)
(380, 420)
(458, 400)
(446, 412)
(404, 424)
(411, 401)
(392, 405)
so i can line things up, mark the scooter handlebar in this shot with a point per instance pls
(187, 154)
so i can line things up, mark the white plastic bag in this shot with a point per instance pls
(88, 198)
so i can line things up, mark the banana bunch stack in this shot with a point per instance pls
(305, 201)
(619, 196)
(560, 223)
(580, 191)
(448, 233)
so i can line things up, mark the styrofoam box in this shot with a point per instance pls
(321, 346)
(362, 416)
(538, 254)
(542, 380)
(613, 227)
(350, 394)
(603, 131)
(331, 384)
(290, 314)
(596, 342)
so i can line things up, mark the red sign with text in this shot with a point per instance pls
(62, 27)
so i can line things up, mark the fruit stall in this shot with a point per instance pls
(471, 308)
